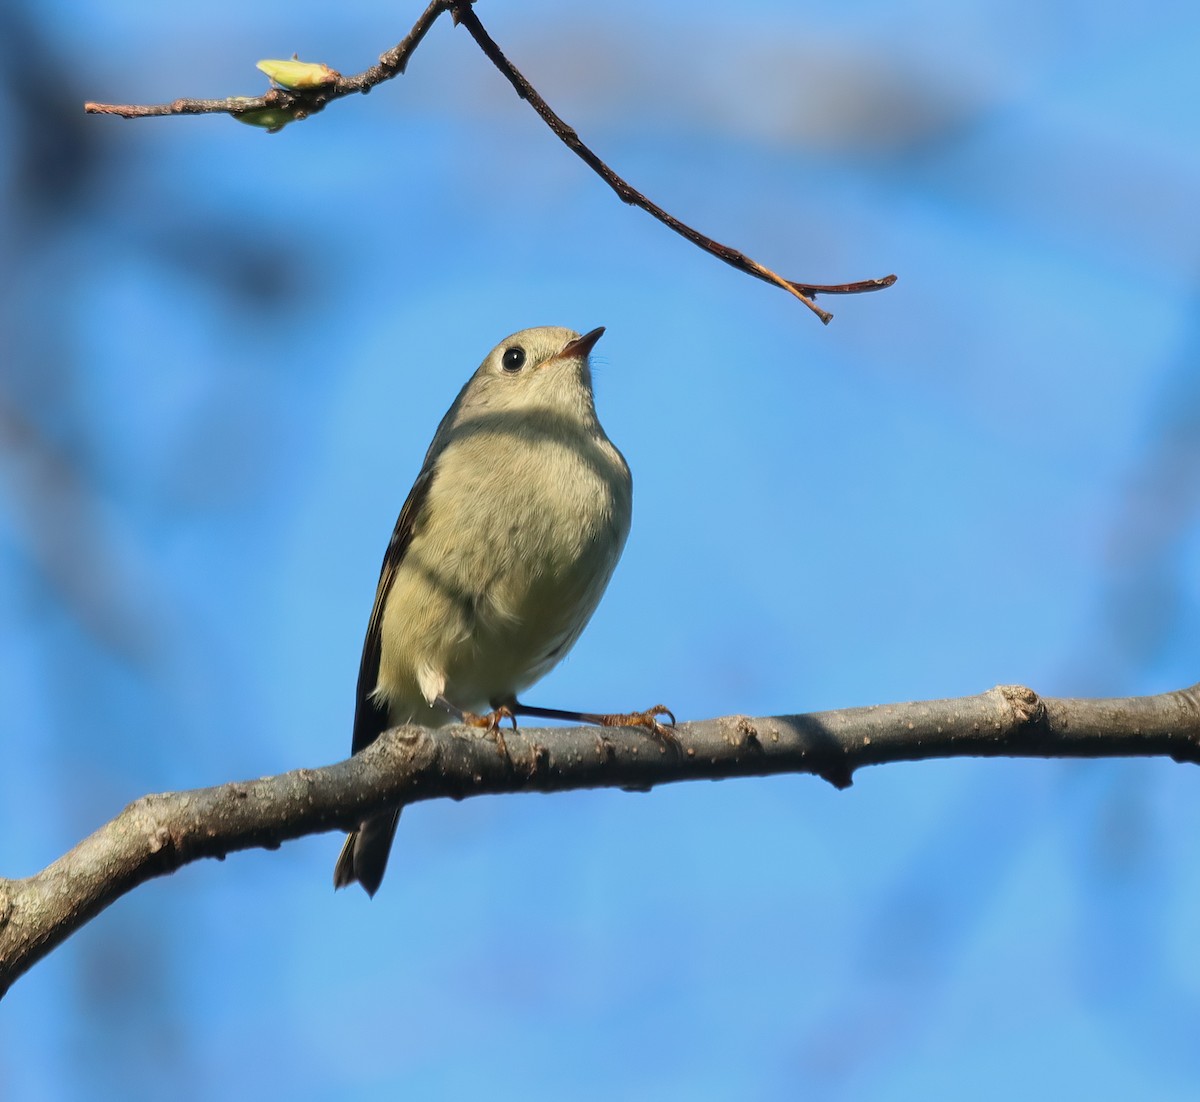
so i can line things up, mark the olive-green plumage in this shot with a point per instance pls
(500, 555)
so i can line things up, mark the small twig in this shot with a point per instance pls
(463, 12)
(299, 104)
(279, 106)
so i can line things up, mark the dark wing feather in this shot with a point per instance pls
(371, 717)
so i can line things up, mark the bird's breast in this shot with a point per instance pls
(522, 535)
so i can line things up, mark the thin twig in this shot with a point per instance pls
(297, 104)
(463, 12)
(279, 106)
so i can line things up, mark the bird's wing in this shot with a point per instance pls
(371, 715)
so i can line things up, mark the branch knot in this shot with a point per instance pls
(1026, 706)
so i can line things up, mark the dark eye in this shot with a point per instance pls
(513, 359)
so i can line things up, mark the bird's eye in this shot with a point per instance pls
(513, 359)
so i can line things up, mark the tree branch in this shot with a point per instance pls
(295, 103)
(158, 834)
(280, 106)
(464, 13)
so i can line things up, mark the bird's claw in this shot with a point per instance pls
(490, 723)
(649, 720)
(492, 720)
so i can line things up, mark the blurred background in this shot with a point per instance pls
(223, 354)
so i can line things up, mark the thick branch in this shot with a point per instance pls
(279, 106)
(158, 834)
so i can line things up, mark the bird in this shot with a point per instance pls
(500, 555)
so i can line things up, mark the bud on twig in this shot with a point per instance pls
(297, 75)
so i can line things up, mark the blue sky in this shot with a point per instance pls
(224, 354)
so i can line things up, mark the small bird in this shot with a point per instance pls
(499, 557)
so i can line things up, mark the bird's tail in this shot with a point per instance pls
(364, 857)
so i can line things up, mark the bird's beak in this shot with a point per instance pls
(581, 347)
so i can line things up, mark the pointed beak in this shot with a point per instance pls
(581, 347)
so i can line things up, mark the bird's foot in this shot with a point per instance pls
(490, 722)
(647, 719)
